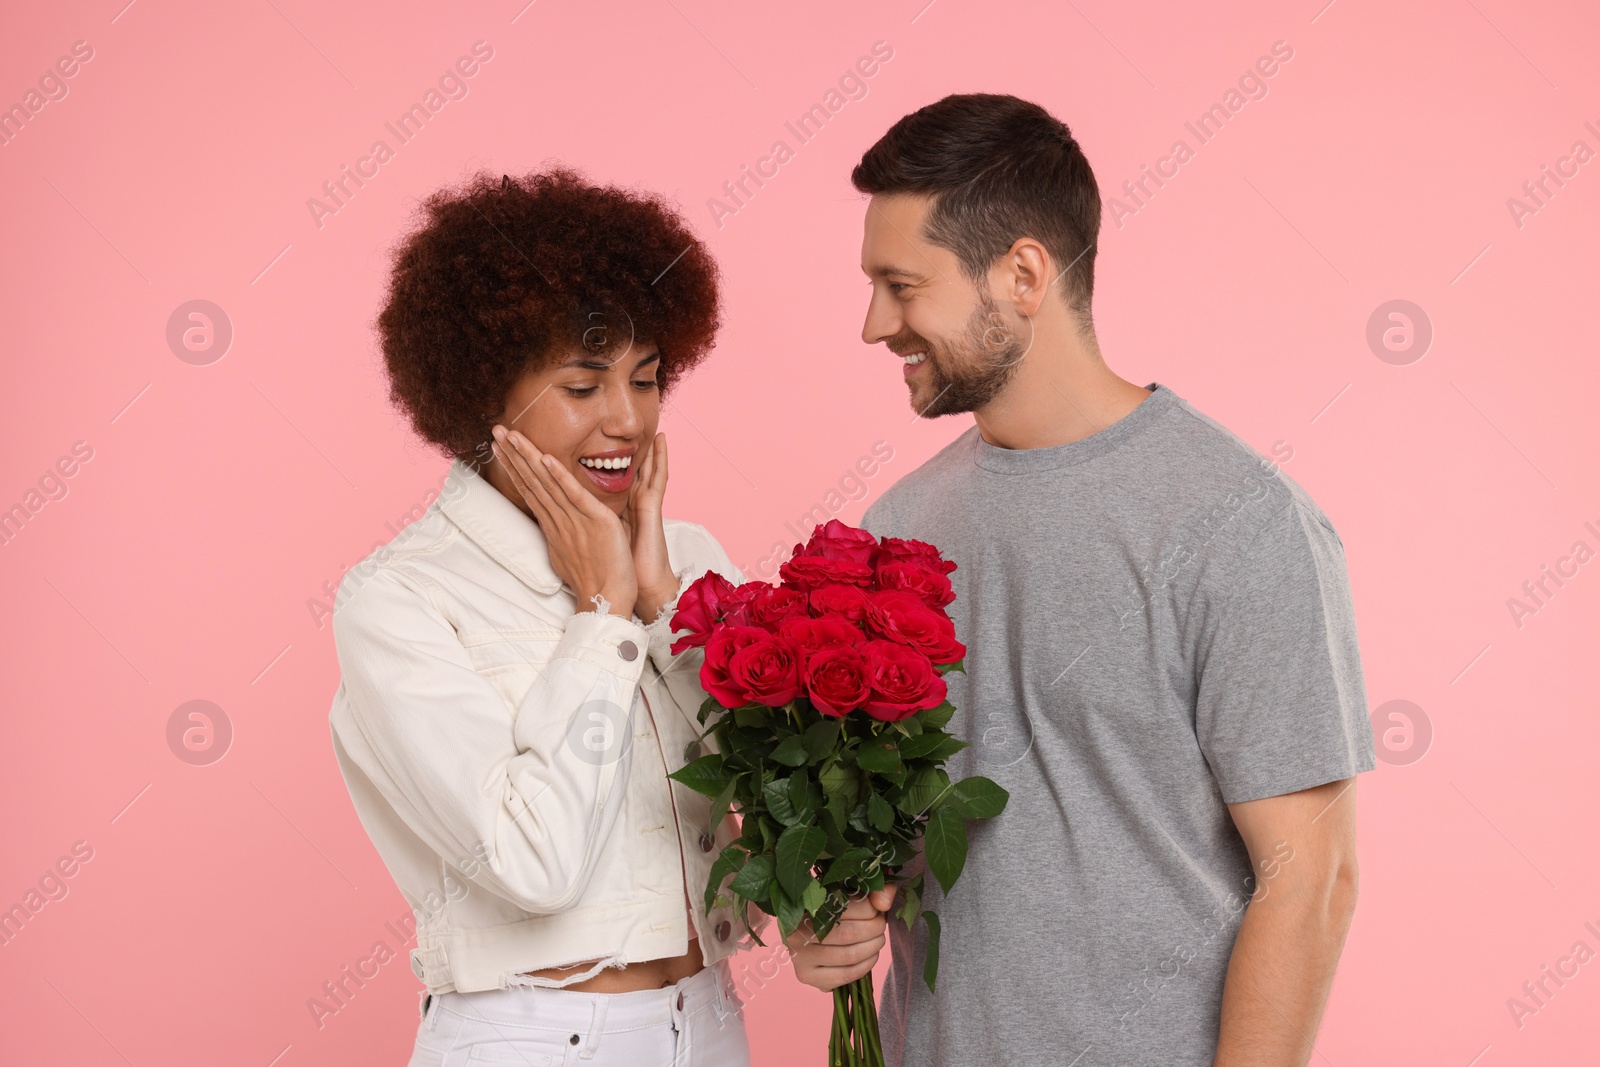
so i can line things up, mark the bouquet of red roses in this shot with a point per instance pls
(830, 707)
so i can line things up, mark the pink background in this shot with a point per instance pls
(220, 498)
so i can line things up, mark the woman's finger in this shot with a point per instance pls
(659, 452)
(581, 500)
(545, 507)
(509, 464)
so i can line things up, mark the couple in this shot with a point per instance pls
(1163, 666)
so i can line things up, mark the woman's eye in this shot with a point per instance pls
(580, 391)
(642, 385)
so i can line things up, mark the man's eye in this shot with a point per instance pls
(895, 287)
(580, 391)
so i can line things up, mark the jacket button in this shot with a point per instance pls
(628, 651)
(705, 842)
(724, 928)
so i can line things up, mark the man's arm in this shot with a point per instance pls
(1303, 850)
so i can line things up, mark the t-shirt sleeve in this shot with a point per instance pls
(1281, 703)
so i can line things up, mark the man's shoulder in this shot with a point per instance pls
(1218, 478)
(927, 481)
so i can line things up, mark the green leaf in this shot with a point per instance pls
(789, 911)
(936, 717)
(848, 865)
(727, 863)
(879, 813)
(820, 737)
(752, 715)
(948, 746)
(946, 668)
(777, 796)
(978, 797)
(840, 783)
(791, 752)
(813, 896)
(723, 800)
(944, 841)
(798, 848)
(922, 744)
(754, 880)
(910, 901)
(705, 775)
(707, 706)
(837, 845)
(930, 969)
(879, 756)
(800, 794)
(922, 789)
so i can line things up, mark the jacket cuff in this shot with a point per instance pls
(659, 630)
(610, 642)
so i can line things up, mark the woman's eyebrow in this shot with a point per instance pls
(595, 363)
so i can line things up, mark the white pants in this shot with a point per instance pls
(696, 1022)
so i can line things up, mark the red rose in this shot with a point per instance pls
(898, 550)
(809, 572)
(835, 540)
(815, 634)
(929, 585)
(768, 670)
(903, 682)
(715, 677)
(699, 609)
(904, 618)
(736, 603)
(836, 679)
(846, 600)
(775, 603)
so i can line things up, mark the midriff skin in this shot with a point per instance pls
(646, 974)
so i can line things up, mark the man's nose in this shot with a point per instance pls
(883, 320)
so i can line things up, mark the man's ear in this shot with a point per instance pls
(1025, 275)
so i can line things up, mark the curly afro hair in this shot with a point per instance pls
(504, 274)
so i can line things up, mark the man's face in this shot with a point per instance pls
(958, 349)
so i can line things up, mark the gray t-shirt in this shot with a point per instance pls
(1159, 624)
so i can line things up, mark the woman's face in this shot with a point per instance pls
(596, 413)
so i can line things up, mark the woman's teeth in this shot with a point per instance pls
(617, 463)
(914, 358)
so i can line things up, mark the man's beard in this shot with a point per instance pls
(973, 369)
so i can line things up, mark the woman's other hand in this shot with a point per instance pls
(657, 584)
(588, 544)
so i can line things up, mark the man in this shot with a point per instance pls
(1162, 669)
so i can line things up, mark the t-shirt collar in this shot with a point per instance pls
(1033, 460)
(498, 527)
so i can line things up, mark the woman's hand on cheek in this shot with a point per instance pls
(588, 544)
(657, 583)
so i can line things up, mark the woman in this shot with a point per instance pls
(509, 708)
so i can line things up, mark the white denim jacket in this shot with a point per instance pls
(508, 753)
